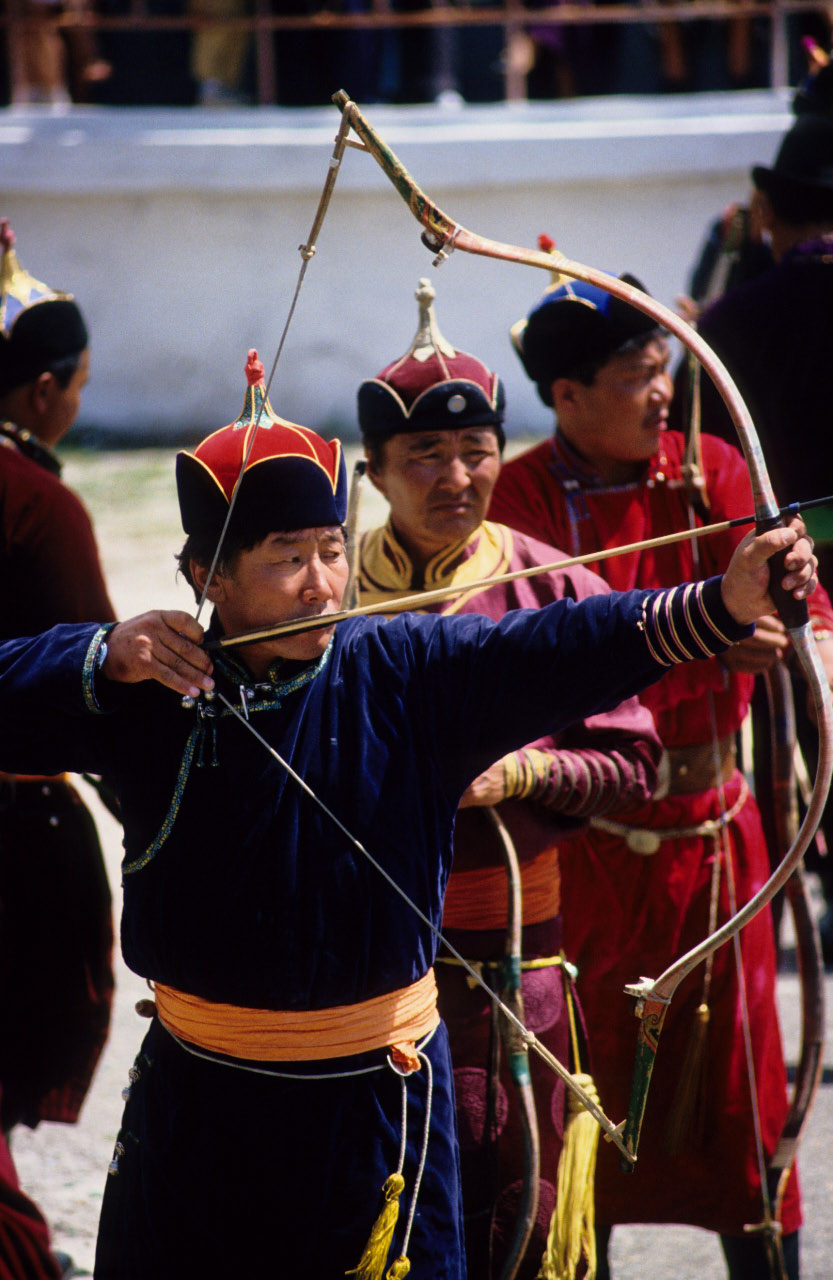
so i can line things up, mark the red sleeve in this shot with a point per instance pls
(520, 498)
(821, 612)
(56, 562)
(602, 763)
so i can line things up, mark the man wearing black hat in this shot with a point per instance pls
(613, 473)
(56, 932)
(775, 335)
(775, 332)
(432, 426)
(295, 1081)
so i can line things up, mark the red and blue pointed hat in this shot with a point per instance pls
(574, 325)
(293, 479)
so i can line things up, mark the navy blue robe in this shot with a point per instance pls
(238, 889)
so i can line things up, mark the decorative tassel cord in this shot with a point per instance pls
(571, 1237)
(429, 1099)
(686, 1120)
(372, 1263)
(612, 1131)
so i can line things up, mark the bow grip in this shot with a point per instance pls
(793, 613)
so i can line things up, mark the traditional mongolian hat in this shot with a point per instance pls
(292, 479)
(575, 325)
(803, 168)
(433, 387)
(38, 325)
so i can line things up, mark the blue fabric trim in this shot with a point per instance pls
(170, 818)
(282, 688)
(91, 702)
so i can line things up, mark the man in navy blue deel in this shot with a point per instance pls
(294, 1088)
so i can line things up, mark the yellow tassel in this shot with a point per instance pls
(399, 1269)
(686, 1119)
(572, 1235)
(372, 1263)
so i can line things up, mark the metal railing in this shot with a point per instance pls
(511, 15)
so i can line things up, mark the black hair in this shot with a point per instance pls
(798, 205)
(63, 370)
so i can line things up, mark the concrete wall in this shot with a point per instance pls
(177, 230)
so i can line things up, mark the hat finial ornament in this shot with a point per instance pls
(18, 287)
(547, 245)
(254, 369)
(428, 340)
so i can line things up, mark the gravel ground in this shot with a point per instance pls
(63, 1168)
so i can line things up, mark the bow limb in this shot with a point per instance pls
(654, 996)
(810, 966)
(517, 1053)
(442, 234)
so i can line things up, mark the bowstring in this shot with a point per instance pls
(307, 252)
(529, 1038)
(724, 841)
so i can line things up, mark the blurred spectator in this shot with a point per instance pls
(218, 54)
(57, 65)
(150, 68)
(570, 61)
(774, 332)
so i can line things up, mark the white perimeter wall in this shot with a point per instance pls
(177, 230)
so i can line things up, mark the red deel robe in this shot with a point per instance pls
(627, 915)
(604, 762)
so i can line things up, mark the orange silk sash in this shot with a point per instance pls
(477, 899)
(397, 1019)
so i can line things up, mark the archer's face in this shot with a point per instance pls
(617, 423)
(438, 484)
(289, 575)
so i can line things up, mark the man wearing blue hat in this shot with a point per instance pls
(295, 1084)
(613, 473)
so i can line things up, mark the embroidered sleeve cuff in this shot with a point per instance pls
(93, 662)
(689, 622)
